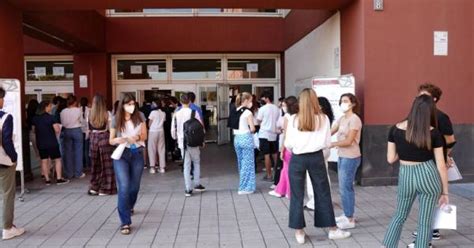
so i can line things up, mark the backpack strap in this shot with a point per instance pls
(193, 114)
(2, 121)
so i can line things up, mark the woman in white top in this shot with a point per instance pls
(73, 142)
(130, 129)
(156, 138)
(307, 134)
(243, 143)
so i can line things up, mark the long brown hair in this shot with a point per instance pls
(421, 118)
(99, 115)
(120, 116)
(309, 115)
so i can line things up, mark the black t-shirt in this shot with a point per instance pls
(445, 127)
(410, 152)
(45, 135)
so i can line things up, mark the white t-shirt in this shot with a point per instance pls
(177, 124)
(243, 122)
(268, 115)
(157, 118)
(280, 123)
(307, 142)
(71, 118)
(130, 130)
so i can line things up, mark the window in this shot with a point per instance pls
(141, 69)
(49, 71)
(251, 69)
(185, 69)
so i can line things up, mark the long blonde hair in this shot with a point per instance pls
(99, 116)
(241, 98)
(309, 109)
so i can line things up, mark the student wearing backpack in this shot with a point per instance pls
(243, 142)
(187, 128)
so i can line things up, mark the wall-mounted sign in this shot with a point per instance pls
(252, 67)
(440, 43)
(40, 71)
(153, 68)
(136, 69)
(58, 71)
(83, 81)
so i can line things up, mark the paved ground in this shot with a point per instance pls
(65, 216)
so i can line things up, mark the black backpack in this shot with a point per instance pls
(234, 117)
(193, 132)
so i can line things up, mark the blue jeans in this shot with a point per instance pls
(244, 146)
(314, 164)
(346, 171)
(191, 158)
(128, 174)
(73, 148)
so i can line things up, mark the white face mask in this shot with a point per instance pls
(285, 109)
(345, 107)
(129, 108)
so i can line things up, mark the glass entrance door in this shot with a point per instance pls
(208, 103)
(223, 114)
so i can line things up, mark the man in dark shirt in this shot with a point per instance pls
(445, 127)
(7, 175)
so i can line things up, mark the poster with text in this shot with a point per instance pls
(332, 89)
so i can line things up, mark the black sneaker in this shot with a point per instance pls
(200, 188)
(61, 181)
(188, 193)
(47, 182)
(412, 245)
(436, 235)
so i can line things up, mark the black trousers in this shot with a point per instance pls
(323, 209)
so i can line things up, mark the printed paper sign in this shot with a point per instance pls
(40, 71)
(152, 68)
(83, 81)
(252, 67)
(58, 71)
(136, 69)
(440, 43)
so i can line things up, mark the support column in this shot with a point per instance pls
(12, 62)
(96, 67)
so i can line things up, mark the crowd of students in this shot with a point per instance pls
(293, 137)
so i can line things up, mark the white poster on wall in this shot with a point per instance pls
(440, 43)
(83, 81)
(136, 69)
(332, 89)
(58, 71)
(12, 105)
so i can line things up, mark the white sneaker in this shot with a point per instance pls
(273, 193)
(160, 170)
(273, 186)
(12, 232)
(245, 192)
(152, 170)
(338, 234)
(346, 224)
(341, 218)
(300, 238)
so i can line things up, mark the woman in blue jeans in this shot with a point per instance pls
(71, 119)
(348, 129)
(130, 129)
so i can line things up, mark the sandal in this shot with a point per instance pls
(125, 229)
